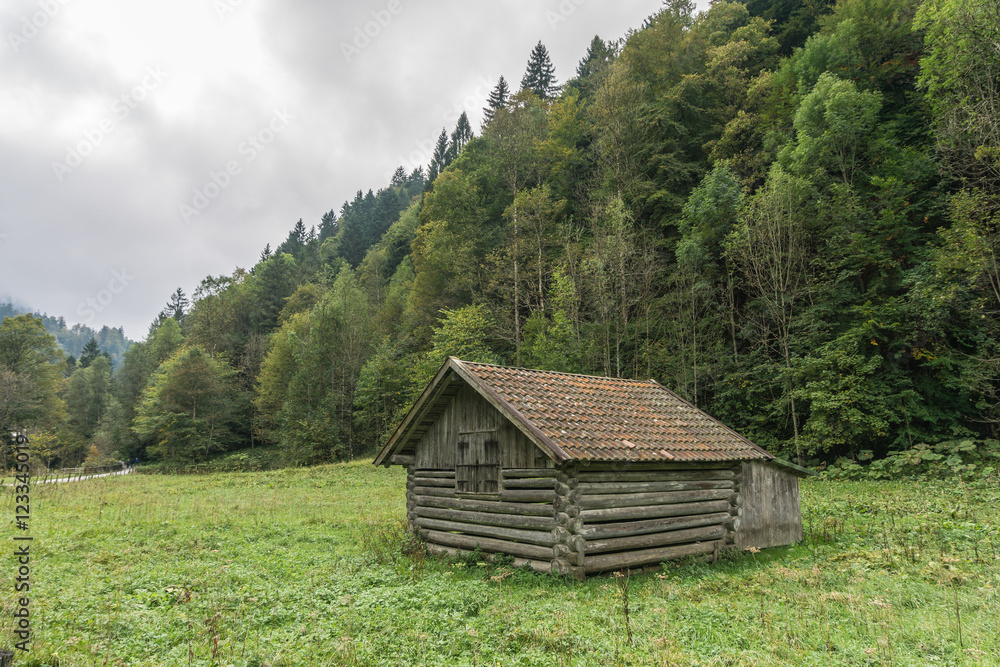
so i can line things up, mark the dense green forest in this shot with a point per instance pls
(74, 339)
(785, 211)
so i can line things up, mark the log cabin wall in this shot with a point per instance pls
(638, 515)
(769, 513)
(518, 521)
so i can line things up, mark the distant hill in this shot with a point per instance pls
(72, 339)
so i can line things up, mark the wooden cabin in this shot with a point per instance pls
(579, 475)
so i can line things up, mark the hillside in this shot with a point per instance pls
(787, 213)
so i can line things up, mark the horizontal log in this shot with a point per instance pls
(652, 511)
(656, 475)
(602, 488)
(528, 496)
(513, 473)
(424, 472)
(444, 492)
(529, 483)
(540, 537)
(701, 534)
(644, 499)
(488, 544)
(527, 509)
(536, 565)
(489, 519)
(434, 481)
(605, 562)
(601, 531)
(402, 459)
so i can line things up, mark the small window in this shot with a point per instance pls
(477, 464)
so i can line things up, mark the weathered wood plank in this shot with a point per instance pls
(539, 537)
(636, 542)
(656, 475)
(602, 531)
(643, 499)
(528, 472)
(419, 472)
(651, 511)
(527, 509)
(434, 481)
(529, 483)
(489, 519)
(488, 544)
(528, 496)
(444, 492)
(602, 488)
(605, 562)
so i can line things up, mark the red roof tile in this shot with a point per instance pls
(607, 419)
(586, 418)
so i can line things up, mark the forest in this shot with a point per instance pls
(787, 212)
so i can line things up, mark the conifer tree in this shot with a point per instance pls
(90, 352)
(599, 55)
(398, 178)
(177, 306)
(497, 100)
(441, 158)
(540, 76)
(264, 255)
(460, 137)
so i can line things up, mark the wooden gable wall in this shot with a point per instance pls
(469, 413)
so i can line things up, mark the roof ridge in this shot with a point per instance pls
(538, 370)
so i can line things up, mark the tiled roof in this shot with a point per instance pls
(607, 419)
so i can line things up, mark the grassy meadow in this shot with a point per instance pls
(307, 567)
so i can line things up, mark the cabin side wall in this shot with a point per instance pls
(636, 515)
(770, 515)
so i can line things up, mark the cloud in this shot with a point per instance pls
(355, 120)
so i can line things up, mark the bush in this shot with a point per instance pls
(967, 459)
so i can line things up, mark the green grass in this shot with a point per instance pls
(305, 567)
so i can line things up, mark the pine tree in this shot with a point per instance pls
(300, 232)
(441, 158)
(328, 226)
(599, 55)
(497, 100)
(177, 306)
(265, 254)
(90, 352)
(398, 178)
(460, 137)
(540, 76)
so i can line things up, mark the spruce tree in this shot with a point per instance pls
(90, 352)
(441, 158)
(540, 76)
(398, 178)
(599, 55)
(177, 306)
(497, 100)
(460, 137)
(265, 254)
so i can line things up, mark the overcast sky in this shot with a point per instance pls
(145, 145)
